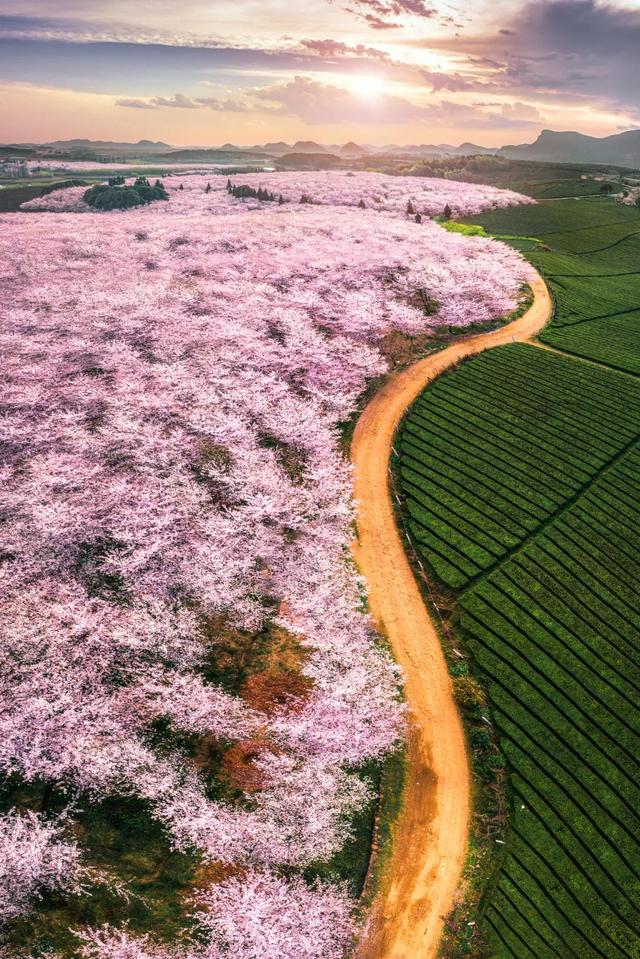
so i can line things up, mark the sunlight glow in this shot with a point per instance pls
(366, 85)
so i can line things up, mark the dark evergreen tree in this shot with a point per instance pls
(447, 212)
(410, 208)
(418, 218)
(362, 205)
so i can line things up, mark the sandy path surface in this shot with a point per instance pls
(430, 839)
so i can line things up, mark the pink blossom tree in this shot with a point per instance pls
(34, 858)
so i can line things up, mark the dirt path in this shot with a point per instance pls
(430, 839)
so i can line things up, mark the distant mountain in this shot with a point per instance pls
(352, 149)
(309, 161)
(307, 146)
(277, 149)
(15, 149)
(621, 149)
(80, 144)
(472, 149)
(213, 154)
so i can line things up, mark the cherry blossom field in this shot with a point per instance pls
(184, 629)
(377, 190)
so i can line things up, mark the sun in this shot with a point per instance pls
(366, 85)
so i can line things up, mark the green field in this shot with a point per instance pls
(519, 474)
(589, 253)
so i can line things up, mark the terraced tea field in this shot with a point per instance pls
(589, 253)
(519, 474)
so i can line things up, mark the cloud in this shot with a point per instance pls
(384, 14)
(453, 82)
(177, 100)
(336, 48)
(521, 111)
(134, 103)
(590, 50)
(184, 103)
(320, 103)
(222, 106)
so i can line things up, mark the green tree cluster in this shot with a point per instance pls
(244, 192)
(122, 197)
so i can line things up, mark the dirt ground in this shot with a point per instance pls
(420, 880)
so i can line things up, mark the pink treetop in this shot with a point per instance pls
(34, 858)
(254, 916)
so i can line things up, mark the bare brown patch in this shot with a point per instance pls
(239, 765)
(274, 690)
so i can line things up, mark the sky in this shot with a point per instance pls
(374, 71)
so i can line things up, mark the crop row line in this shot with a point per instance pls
(562, 509)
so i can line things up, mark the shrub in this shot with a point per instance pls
(105, 197)
(468, 693)
(244, 192)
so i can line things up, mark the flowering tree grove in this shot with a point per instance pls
(34, 858)
(174, 380)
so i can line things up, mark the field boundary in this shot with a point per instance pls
(418, 885)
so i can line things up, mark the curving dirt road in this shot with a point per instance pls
(430, 837)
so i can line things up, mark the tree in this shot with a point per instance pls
(208, 189)
(410, 208)
(34, 858)
(418, 218)
(362, 205)
(638, 201)
(446, 213)
(606, 188)
(262, 915)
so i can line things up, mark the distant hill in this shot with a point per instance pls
(352, 149)
(472, 149)
(212, 155)
(307, 146)
(309, 161)
(80, 144)
(277, 149)
(622, 149)
(14, 150)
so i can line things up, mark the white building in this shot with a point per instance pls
(14, 168)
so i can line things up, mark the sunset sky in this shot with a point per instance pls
(375, 71)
